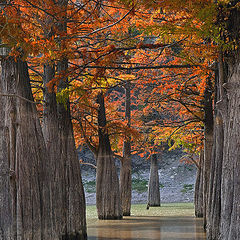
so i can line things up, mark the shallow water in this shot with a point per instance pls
(147, 227)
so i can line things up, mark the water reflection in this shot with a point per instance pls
(146, 227)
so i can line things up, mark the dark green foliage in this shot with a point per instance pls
(187, 187)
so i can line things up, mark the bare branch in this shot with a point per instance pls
(143, 67)
(89, 164)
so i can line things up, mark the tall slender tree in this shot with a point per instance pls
(126, 163)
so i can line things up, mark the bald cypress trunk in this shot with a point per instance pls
(126, 163)
(68, 201)
(198, 193)
(107, 184)
(214, 208)
(24, 202)
(208, 144)
(214, 205)
(153, 184)
(126, 180)
(230, 181)
(224, 225)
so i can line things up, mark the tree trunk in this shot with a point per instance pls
(68, 201)
(230, 184)
(126, 180)
(153, 184)
(107, 184)
(198, 194)
(24, 201)
(5, 196)
(228, 132)
(214, 205)
(214, 208)
(126, 163)
(208, 144)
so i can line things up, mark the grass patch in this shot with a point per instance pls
(166, 210)
(187, 187)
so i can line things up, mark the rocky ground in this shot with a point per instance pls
(176, 179)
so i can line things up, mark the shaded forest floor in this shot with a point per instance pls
(170, 221)
(177, 180)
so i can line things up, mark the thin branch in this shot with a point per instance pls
(118, 156)
(109, 26)
(90, 164)
(35, 71)
(192, 159)
(142, 67)
(89, 144)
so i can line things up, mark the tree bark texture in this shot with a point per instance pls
(214, 201)
(24, 192)
(198, 193)
(153, 184)
(67, 201)
(107, 184)
(208, 144)
(126, 180)
(230, 184)
(227, 132)
(126, 163)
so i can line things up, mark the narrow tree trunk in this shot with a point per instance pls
(6, 219)
(153, 184)
(126, 163)
(214, 205)
(68, 202)
(126, 180)
(107, 184)
(214, 209)
(208, 144)
(24, 202)
(198, 194)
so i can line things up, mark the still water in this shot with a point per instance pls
(184, 227)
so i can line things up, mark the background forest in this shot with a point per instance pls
(121, 78)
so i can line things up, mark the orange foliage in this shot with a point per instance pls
(127, 34)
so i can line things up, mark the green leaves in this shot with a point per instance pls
(63, 96)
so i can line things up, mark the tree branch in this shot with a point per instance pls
(142, 67)
(90, 164)
(109, 26)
